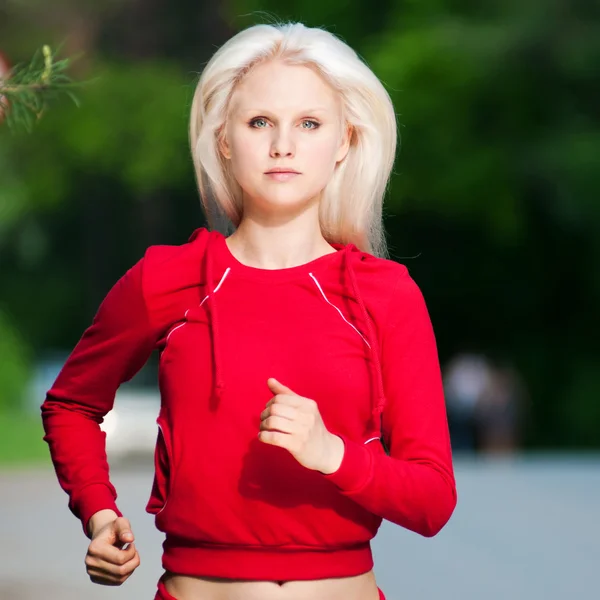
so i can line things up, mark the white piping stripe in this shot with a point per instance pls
(172, 330)
(223, 278)
(371, 440)
(339, 311)
(201, 303)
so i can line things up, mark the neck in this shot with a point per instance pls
(279, 243)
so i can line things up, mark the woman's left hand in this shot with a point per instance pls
(294, 423)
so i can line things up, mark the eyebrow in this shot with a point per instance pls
(316, 109)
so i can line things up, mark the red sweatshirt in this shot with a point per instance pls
(348, 330)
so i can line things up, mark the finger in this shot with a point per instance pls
(278, 388)
(275, 438)
(295, 401)
(279, 409)
(102, 567)
(103, 577)
(123, 530)
(108, 578)
(278, 424)
(103, 551)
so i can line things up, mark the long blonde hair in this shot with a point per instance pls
(351, 203)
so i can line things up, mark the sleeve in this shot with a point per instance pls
(414, 486)
(111, 351)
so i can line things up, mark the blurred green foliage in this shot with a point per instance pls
(15, 364)
(21, 440)
(494, 192)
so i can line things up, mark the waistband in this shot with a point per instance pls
(264, 563)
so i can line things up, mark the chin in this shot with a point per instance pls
(285, 200)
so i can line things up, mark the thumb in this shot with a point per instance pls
(123, 531)
(278, 388)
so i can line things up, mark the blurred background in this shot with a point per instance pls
(493, 206)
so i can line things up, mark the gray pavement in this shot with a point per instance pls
(526, 528)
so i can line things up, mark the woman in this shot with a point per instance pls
(291, 352)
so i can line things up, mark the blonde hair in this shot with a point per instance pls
(351, 203)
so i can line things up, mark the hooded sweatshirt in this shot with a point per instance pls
(348, 330)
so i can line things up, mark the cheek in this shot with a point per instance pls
(245, 159)
(242, 168)
(319, 160)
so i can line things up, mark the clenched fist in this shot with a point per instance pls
(111, 557)
(294, 423)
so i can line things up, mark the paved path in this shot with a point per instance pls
(524, 529)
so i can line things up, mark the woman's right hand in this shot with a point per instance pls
(111, 557)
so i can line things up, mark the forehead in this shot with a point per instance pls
(280, 87)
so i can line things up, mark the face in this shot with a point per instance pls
(287, 117)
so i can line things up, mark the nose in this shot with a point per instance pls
(282, 144)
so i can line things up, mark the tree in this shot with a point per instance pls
(27, 90)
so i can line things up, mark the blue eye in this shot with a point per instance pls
(316, 125)
(255, 120)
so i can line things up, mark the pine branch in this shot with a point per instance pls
(27, 90)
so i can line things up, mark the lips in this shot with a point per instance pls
(282, 171)
(281, 175)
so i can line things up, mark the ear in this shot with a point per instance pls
(223, 145)
(345, 143)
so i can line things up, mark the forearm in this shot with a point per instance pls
(77, 450)
(418, 494)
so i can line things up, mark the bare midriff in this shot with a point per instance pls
(183, 587)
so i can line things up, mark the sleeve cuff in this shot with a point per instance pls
(92, 499)
(355, 470)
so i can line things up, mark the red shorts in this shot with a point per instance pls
(162, 593)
